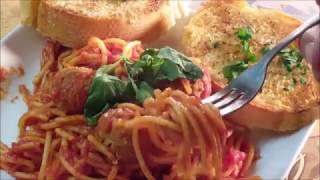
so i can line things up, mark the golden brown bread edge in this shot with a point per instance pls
(74, 29)
(254, 115)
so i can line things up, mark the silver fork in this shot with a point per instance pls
(246, 86)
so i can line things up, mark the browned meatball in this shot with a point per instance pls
(68, 89)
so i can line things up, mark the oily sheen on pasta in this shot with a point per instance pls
(171, 135)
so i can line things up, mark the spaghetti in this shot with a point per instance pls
(171, 136)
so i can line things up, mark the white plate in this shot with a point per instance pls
(23, 46)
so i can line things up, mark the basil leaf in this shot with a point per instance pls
(184, 68)
(153, 65)
(144, 91)
(170, 71)
(105, 91)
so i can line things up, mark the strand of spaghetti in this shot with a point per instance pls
(208, 130)
(214, 116)
(113, 173)
(26, 146)
(200, 116)
(34, 139)
(100, 147)
(3, 148)
(228, 172)
(4, 166)
(25, 118)
(181, 157)
(72, 62)
(57, 112)
(127, 52)
(72, 171)
(40, 75)
(87, 57)
(64, 134)
(158, 143)
(239, 142)
(199, 136)
(152, 120)
(62, 121)
(121, 178)
(117, 41)
(89, 60)
(214, 139)
(66, 63)
(19, 161)
(139, 156)
(32, 133)
(79, 130)
(218, 153)
(162, 160)
(23, 90)
(55, 168)
(61, 58)
(196, 118)
(249, 159)
(134, 107)
(98, 42)
(23, 175)
(102, 172)
(230, 142)
(55, 143)
(97, 162)
(45, 155)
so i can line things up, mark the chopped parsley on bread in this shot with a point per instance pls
(230, 36)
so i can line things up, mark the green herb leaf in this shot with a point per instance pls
(153, 65)
(105, 91)
(216, 44)
(265, 50)
(291, 58)
(245, 34)
(177, 65)
(302, 80)
(144, 91)
(232, 71)
(250, 57)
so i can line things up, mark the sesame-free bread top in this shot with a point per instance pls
(72, 22)
(281, 105)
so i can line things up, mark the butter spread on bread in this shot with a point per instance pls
(72, 22)
(288, 100)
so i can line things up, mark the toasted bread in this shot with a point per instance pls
(72, 22)
(275, 107)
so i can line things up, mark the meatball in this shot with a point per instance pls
(68, 89)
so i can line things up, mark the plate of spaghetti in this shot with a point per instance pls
(145, 123)
(115, 109)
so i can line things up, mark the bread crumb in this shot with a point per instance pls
(6, 74)
(13, 100)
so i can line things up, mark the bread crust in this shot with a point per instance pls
(73, 29)
(255, 115)
(304, 100)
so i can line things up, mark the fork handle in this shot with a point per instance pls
(266, 59)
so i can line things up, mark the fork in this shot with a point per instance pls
(246, 86)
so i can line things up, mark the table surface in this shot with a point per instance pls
(10, 17)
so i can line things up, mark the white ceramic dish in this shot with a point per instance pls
(23, 47)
